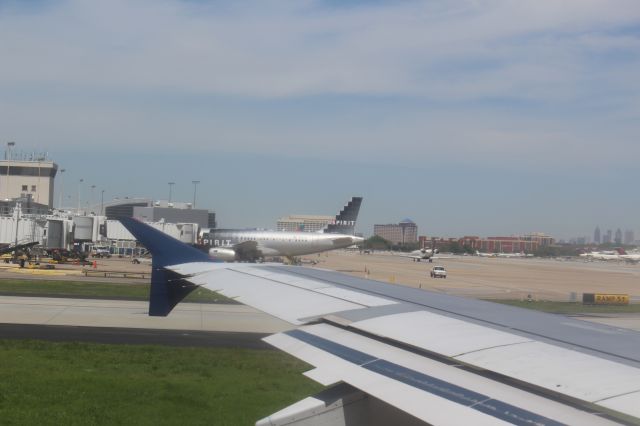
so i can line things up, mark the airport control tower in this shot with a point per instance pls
(27, 175)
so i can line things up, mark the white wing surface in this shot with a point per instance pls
(525, 375)
(398, 355)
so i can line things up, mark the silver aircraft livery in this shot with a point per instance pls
(231, 245)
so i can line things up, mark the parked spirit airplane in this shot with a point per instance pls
(250, 245)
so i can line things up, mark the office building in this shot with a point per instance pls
(124, 207)
(629, 237)
(618, 236)
(405, 232)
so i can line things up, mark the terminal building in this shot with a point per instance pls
(175, 213)
(27, 213)
(146, 210)
(27, 205)
(28, 177)
(180, 220)
(26, 201)
(124, 208)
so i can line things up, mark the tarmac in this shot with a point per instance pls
(134, 314)
(469, 276)
(500, 278)
(493, 278)
(133, 336)
(127, 321)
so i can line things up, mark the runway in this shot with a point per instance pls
(492, 278)
(133, 336)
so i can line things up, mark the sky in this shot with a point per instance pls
(471, 117)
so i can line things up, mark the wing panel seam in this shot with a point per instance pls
(617, 396)
(492, 347)
(299, 288)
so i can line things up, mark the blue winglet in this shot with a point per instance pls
(167, 287)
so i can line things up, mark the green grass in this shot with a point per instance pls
(138, 291)
(571, 307)
(46, 383)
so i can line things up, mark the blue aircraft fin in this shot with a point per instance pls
(167, 287)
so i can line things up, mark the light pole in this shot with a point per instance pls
(61, 188)
(101, 201)
(79, 183)
(170, 190)
(93, 187)
(195, 187)
(38, 185)
(10, 146)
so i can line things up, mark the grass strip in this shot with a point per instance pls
(49, 383)
(137, 291)
(570, 307)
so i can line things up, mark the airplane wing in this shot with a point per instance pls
(397, 355)
(412, 256)
(417, 257)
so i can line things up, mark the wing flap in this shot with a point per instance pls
(560, 370)
(426, 407)
(324, 376)
(437, 333)
(629, 403)
(429, 390)
(557, 369)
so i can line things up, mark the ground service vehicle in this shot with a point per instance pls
(438, 272)
(101, 252)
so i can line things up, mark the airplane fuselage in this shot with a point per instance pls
(604, 255)
(275, 243)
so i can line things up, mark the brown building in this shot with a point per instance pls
(527, 243)
(405, 232)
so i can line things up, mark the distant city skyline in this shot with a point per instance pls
(484, 117)
(620, 237)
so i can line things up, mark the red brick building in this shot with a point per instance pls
(518, 244)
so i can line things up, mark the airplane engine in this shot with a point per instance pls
(224, 254)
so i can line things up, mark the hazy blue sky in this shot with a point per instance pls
(484, 117)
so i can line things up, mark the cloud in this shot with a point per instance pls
(300, 48)
(495, 80)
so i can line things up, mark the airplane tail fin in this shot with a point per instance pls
(621, 251)
(345, 221)
(167, 287)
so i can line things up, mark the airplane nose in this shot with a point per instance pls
(357, 240)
